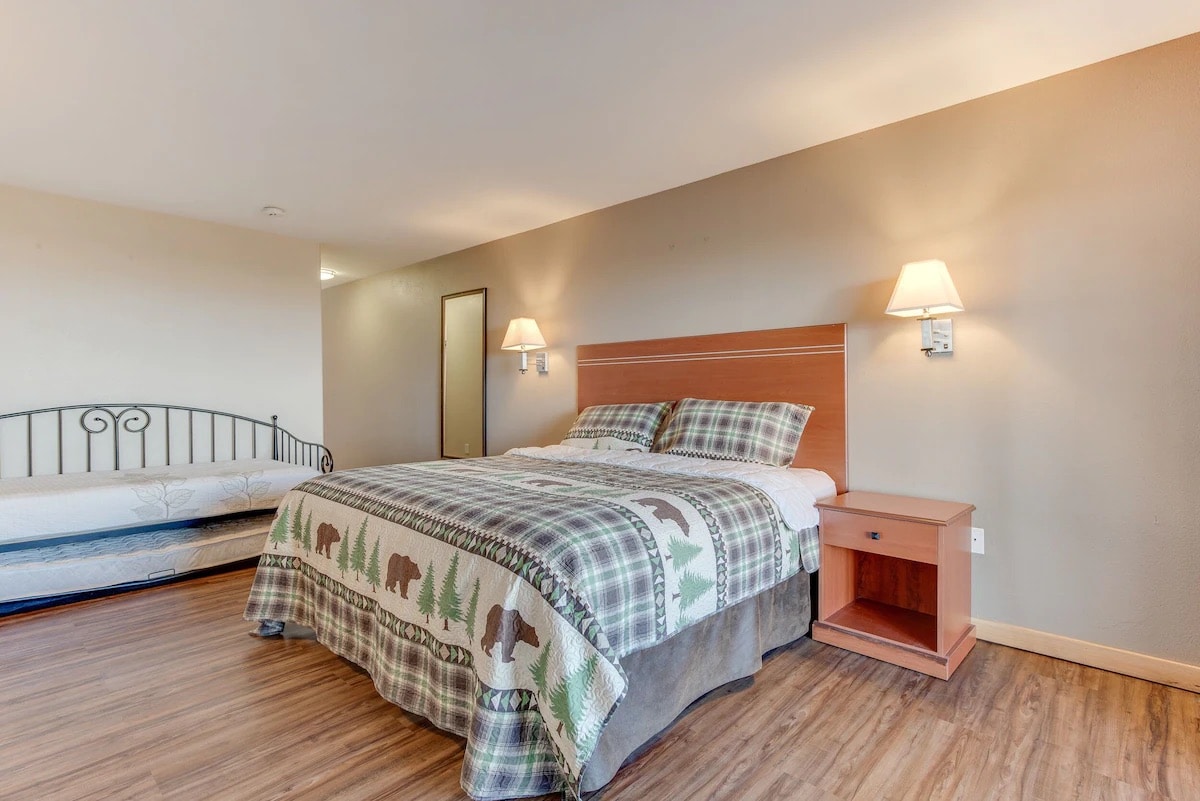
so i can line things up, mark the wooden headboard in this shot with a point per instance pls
(801, 365)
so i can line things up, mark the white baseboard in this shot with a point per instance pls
(1141, 666)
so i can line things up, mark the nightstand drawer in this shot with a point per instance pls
(902, 539)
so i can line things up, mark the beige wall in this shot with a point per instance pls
(1069, 213)
(107, 304)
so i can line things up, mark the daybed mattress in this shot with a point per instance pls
(46, 507)
(51, 570)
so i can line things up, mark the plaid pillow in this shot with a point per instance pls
(767, 433)
(619, 426)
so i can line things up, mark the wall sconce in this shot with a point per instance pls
(523, 335)
(923, 290)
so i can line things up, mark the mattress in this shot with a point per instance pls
(55, 506)
(104, 562)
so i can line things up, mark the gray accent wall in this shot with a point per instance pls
(1068, 211)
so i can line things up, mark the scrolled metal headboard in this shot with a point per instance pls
(111, 430)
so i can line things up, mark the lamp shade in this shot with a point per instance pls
(924, 287)
(523, 334)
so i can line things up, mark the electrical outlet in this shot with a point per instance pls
(976, 540)
(466, 449)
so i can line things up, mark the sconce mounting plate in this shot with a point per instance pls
(937, 336)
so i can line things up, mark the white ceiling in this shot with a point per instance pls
(395, 131)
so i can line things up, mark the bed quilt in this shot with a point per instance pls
(496, 596)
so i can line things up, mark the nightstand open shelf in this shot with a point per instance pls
(896, 580)
(888, 622)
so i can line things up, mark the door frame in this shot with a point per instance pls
(442, 374)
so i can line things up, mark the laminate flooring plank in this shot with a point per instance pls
(946, 767)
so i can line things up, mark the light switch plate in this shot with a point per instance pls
(542, 360)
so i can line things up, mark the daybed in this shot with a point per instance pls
(99, 496)
(558, 607)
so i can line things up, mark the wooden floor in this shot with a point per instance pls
(161, 694)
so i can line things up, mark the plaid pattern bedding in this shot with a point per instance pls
(624, 426)
(496, 596)
(767, 433)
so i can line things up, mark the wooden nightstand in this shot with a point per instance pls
(896, 580)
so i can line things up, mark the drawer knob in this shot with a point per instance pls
(874, 534)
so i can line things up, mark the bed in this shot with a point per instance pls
(95, 497)
(558, 607)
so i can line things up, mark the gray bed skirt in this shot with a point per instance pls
(664, 679)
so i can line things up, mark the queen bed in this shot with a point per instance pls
(560, 606)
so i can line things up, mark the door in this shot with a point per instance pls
(464, 374)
